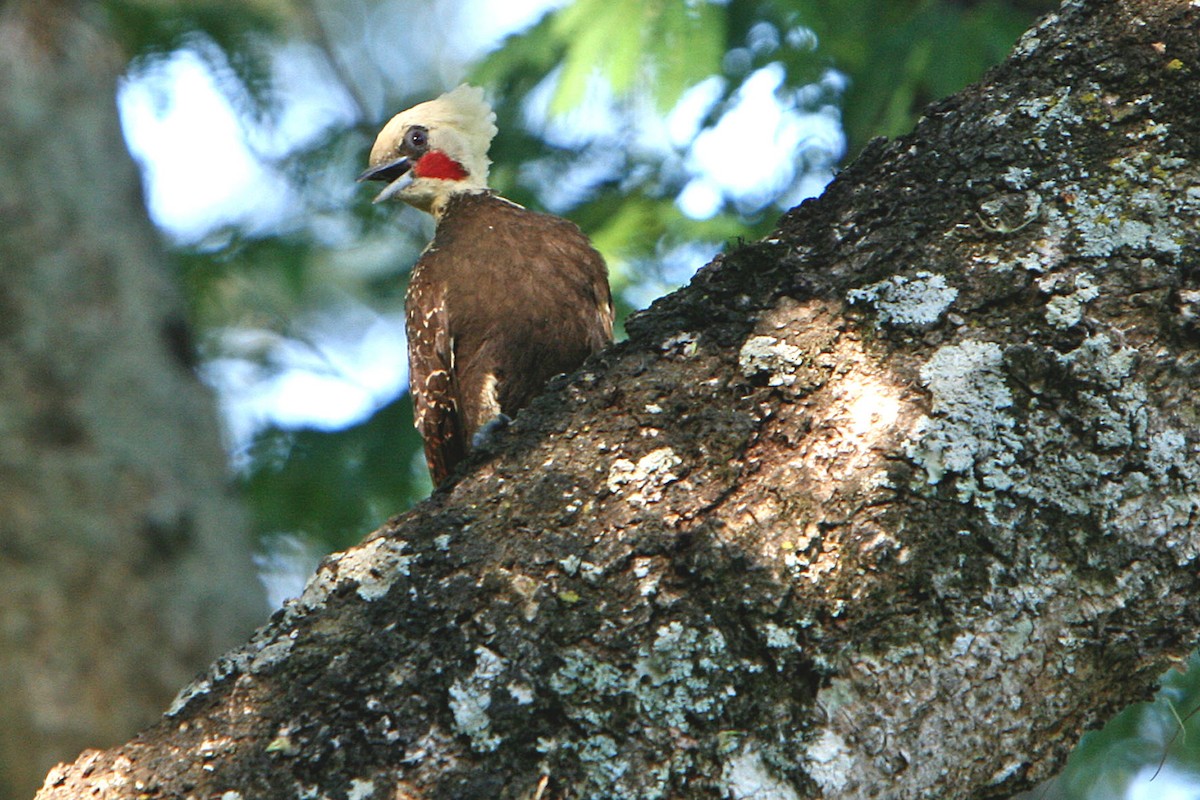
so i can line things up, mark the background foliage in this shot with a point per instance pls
(604, 108)
(873, 62)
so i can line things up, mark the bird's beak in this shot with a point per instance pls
(396, 172)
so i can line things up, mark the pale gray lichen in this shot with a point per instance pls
(1010, 768)
(1053, 113)
(916, 302)
(197, 688)
(1131, 209)
(643, 483)
(1105, 221)
(773, 356)
(1012, 641)
(1066, 310)
(746, 777)
(779, 638)
(471, 698)
(681, 345)
(1010, 212)
(583, 675)
(828, 760)
(271, 654)
(649, 572)
(262, 652)
(1018, 177)
(600, 756)
(601, 753)
(969, 434)
(684, 675)
(1115, 461)
(373, 565)
(861, 741)
(1030, 41)
(521, 693)
(360, 789)
(592, 573)
(677, 676)
(1168, 450)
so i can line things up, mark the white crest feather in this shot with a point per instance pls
(460, 121)
(466, 109)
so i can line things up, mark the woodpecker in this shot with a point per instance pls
(502, 299)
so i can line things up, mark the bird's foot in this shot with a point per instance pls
(489, 429)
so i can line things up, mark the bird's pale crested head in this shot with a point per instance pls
(435, 149)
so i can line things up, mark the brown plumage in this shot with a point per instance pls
(503, 298)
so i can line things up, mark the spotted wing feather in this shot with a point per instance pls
(432, 379)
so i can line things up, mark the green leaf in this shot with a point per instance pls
(688, 48)
(337, 485)
(603, 38)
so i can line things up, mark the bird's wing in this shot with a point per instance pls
(602, 331)
(436, 407)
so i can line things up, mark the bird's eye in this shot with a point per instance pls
(417, 138)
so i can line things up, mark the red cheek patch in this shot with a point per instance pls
(436, 164)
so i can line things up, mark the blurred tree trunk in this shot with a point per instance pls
(895, 503)
(124, 563)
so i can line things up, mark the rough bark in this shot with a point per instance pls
(894, 503)
(125, 565)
